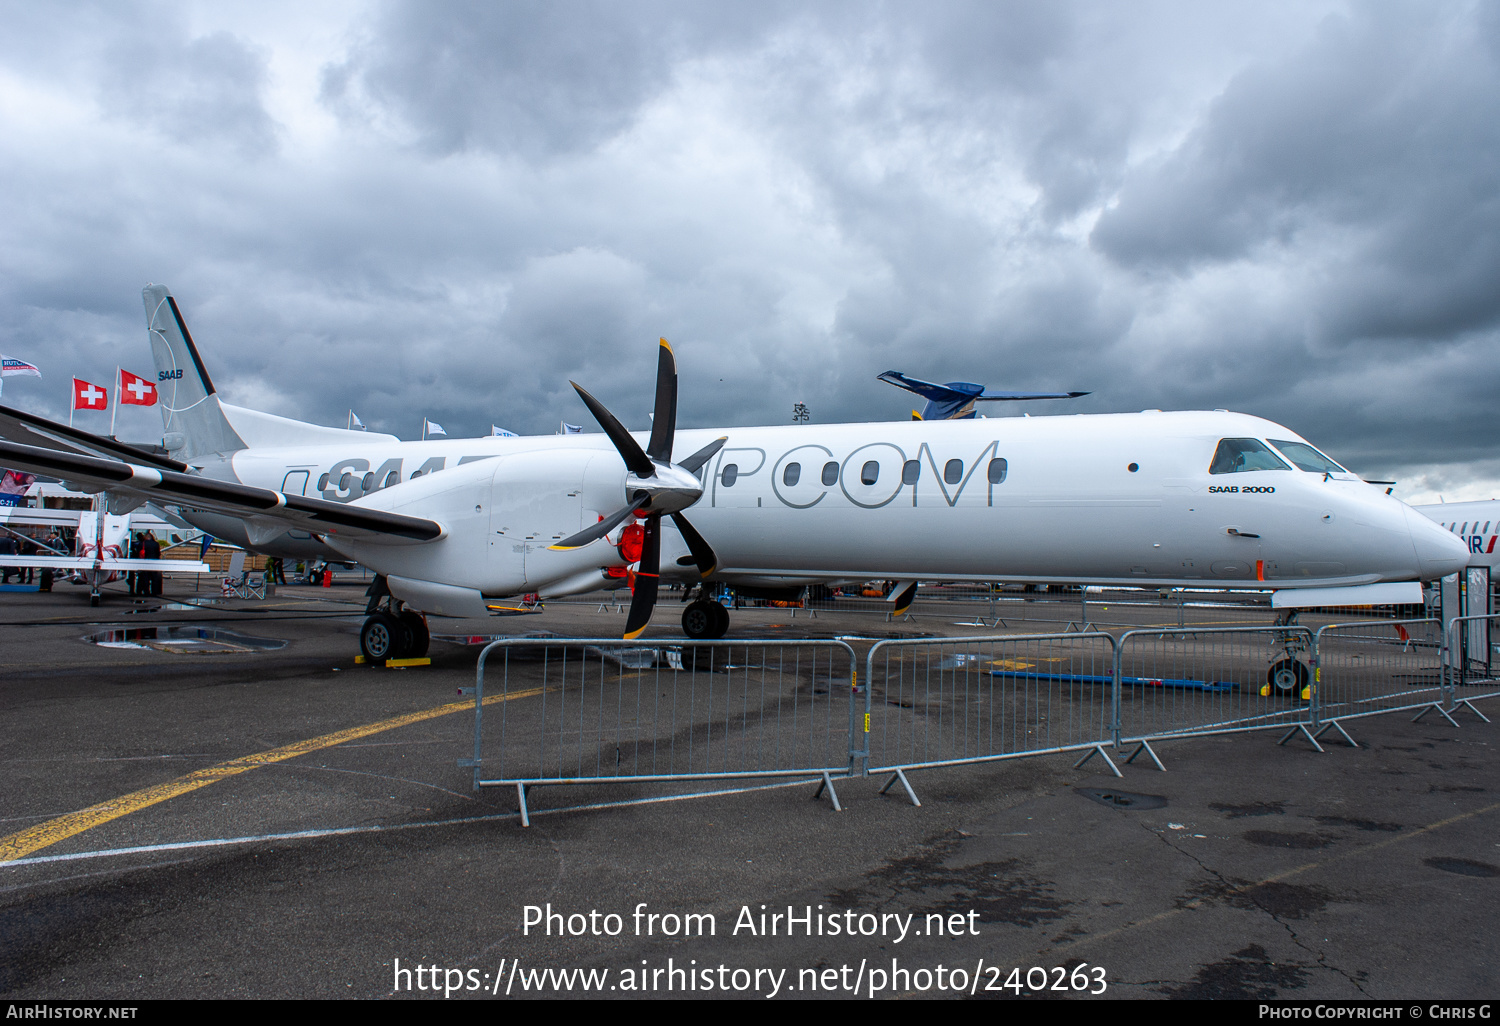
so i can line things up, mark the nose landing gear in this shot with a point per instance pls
(1288, 676)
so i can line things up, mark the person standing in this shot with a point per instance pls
(27, 548)
(152, 550)
(133, 577)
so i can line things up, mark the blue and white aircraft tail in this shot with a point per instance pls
(955, 400)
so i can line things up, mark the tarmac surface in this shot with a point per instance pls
(281, 822)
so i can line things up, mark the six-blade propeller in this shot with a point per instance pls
(654, 487)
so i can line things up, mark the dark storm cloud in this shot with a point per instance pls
(1373, 153)
(453, 209)
(528, 76)
(195, 91)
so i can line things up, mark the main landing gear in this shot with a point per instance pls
(705, 620)
(391, 631)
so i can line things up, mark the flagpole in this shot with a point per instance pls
(72, 401)
(116, 411)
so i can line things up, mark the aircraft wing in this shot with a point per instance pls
(255, 505)
(29, 429)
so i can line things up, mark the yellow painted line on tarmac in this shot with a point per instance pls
(24, 842)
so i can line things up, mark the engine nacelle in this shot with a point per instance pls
(499, 516)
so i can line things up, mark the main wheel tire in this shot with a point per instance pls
(721, 620)
(417, 637)
(381, 637)
(698, 620)
(1287, 677)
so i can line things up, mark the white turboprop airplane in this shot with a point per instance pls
(1156, 499)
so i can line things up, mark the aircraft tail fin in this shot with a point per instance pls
(193, 421)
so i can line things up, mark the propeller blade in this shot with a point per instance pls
(600, 529)
(639, 463)
(643, 600)
(703, 553)
(703, 455)
(664, 421)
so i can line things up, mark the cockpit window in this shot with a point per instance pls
(1238, 455)
(1307, 458)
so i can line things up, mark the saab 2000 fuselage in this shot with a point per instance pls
(1106, 499)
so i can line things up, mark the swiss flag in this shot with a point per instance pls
(136, 391)
(88, 396)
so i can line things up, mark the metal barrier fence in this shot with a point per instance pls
(599, 710)
(947, 701)
(1366, 669)
(607, 711)
(1471, 662)
(1184, 682)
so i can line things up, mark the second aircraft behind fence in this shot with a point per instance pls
(449, 525)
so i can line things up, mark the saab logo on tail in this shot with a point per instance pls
(168, 375)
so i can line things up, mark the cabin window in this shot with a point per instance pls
(1486, 528)
(1240, 455)
(367, 482)
(910, 471)
(792, 474)
(394, 477)
(953, 471)
(1464, 529)
(869, 473)
(730, 475)
(323, 483)
(830, 473)
(997, 471)
(1305, 457)
(346, 481)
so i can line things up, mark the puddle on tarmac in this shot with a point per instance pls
(176, 607)
(183, 640)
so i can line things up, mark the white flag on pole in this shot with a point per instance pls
(500, 432)
(570, 429)
(354, 421)
(432, 427)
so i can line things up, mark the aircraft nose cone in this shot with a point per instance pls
(1439, 552)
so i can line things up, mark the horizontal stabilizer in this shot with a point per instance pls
(29, 429)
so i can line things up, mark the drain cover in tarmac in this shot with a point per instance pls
(1123, 799)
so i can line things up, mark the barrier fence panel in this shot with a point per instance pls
(599, 710)
(1377, 666)
(1473, 662)
(1197, 680)
(945, 701)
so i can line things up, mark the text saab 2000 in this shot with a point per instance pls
(1162, 499)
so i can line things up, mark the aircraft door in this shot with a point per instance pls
(295, 483)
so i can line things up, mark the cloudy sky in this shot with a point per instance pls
(414, 208)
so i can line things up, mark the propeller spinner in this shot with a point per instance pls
(655, 487)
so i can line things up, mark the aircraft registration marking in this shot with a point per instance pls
(42, 835)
